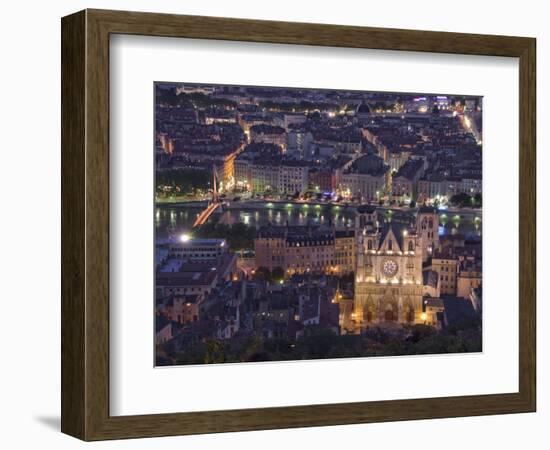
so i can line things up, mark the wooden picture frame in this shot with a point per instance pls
(85, 224)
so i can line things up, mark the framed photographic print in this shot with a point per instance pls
(270, 225)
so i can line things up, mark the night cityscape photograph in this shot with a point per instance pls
(301, 223)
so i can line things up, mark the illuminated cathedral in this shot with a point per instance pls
(388, 279)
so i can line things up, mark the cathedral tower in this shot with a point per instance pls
(367, 218)
(427, 226)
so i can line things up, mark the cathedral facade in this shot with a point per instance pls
(388, 279)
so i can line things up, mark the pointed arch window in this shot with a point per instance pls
(368, 314)
(411, 246)
(389, 315)
(369, 244)
(390, 244)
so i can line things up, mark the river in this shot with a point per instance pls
(177, 219)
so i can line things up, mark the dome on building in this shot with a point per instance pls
(363, 108)
(315, 115)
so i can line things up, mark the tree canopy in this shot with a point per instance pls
(239, 236)
(185, 180)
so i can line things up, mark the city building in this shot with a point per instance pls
(293, 177)
(165, 329)
(304, 249)
(368, 179)
(469, 277)
(247, 121)
(263, 168)
(181, 309)
(431, 283)
(217, 115)
(209, 145)
(344, 140)
(445, 264)
(198, 249)
(289, 120)
(268, 134)
(256, 167)
(187, 282)
(345, 251)
(264, 175)
(194, 267)
(299, 142)
(322, 179)
(434, 309)
(405, 181)
(441, 187)
(459, 265)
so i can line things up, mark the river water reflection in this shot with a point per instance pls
(175, 219)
